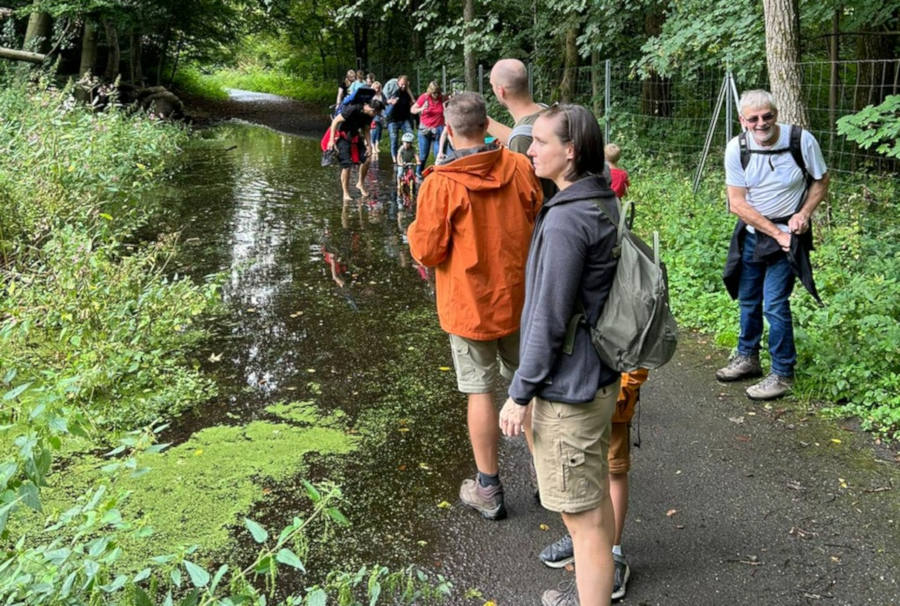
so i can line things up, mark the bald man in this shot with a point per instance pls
(509, 81)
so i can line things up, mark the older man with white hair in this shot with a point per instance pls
(776, 177)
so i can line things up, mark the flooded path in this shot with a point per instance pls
(326, 306)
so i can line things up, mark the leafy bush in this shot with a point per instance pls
(877, 126)
(251, 77)
(849, 350)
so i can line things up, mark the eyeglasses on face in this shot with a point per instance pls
(765, 118)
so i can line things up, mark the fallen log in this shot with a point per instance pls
(20, 55)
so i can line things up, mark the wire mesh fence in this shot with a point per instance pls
(672, 116)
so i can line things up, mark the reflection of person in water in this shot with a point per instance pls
(336, 253)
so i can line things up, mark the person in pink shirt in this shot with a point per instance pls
(618, 176)
(430, 107)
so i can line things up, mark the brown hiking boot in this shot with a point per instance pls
(740, 367)
(772, 387)
(488, 500)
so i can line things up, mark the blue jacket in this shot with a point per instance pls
(570, 260)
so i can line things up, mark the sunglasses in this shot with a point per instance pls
(765, 118)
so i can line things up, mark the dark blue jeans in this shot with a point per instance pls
(427, 141)
(765, 289)
(393, 127)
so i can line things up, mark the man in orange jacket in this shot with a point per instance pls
(474, 222)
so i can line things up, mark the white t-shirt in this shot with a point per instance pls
(774, 182)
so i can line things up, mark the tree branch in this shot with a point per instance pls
(18, 55)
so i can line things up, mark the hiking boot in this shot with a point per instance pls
(772, 387)
(740, 367)
(620, 577)
(568, 596)
(488, 500)
(559, 553)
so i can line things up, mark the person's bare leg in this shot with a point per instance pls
(484, 432)
(345, 183)
(618, 494)
(592, 535)
(363, 170)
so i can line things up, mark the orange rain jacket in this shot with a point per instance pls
(474, 224)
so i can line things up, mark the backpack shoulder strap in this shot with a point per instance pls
(522, 130)
(797, 151)
(745, 149)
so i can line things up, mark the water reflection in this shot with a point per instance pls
(300, 262)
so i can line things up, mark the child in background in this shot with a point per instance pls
(619, 177)
(406, 159)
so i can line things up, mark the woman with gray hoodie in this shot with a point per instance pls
(569, 397)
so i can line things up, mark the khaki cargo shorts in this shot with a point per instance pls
(480, 364)
(571, 444)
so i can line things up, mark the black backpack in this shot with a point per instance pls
(793, 148)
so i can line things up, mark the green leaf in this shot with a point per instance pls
(286, 556)
(217, 578)
(15, 392)
(190, 599)
(199, 576)
(316, 597)
(141, 598)
(140, 576)
(30, 496)
(259, 533)
(338, 517)
(175, 575)
(312, 491)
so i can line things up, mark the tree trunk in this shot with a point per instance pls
(18, 55)
(37, 35)
(88, 48)
(782, 53)
(570, 67)
(596, 83)
(834, 55)
(468, 52)
(137, 56)
(656, 91)
(113, 54)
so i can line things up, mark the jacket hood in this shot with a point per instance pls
(484, 170)
(587, 188)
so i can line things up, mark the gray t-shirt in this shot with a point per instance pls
(774, 182)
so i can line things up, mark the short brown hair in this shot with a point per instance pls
(612, 152)
(466, 113)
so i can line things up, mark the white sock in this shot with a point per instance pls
(617, 550)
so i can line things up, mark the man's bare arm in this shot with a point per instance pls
(500, 131)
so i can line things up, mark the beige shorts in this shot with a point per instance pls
(480, 364)
(571, 444)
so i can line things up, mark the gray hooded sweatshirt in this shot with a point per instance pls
(570, 261)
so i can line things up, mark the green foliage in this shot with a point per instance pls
(196, 83)
(857, 264)
(252, 77)
(877, 126)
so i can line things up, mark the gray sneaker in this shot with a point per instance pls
(566, 597)
(559, 553)
(488, 500)
(772, 387)
(740, 367)
(620, 578)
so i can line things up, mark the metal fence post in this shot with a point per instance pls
(530, 80)
(444, 78)
(607, 101)
(728, 116)
(480, 79)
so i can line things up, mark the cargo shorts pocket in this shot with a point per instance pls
(572, 459)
